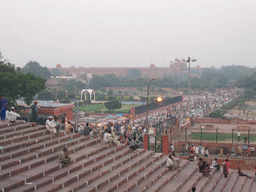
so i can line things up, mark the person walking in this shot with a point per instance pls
(249, 151)
(238, 135)
(221, 152)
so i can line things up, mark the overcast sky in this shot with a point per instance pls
(128, 33)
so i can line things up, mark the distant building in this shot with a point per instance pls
(177, 67)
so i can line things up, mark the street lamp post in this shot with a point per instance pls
(153, 79)
(75, 89)
(193, 60)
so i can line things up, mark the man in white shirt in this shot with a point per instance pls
(108, 137)
(50, 126)
(169, 164)
(12, 116)
(215, 165)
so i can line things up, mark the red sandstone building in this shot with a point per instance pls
(177, 67)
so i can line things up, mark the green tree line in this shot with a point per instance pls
(15, 85)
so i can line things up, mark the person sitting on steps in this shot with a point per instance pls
(240, 173)
(169, 164)
(64, 156)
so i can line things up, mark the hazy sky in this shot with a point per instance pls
(128, 33)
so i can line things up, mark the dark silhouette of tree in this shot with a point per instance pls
(112, 105)
(133, 73)
(15, 85)
(35, 68)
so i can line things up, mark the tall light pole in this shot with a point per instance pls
(193, 60)
(153, 79)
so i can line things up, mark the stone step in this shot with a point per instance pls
(150, 180)
(191, 182)
(21, 132)
(128, 176)
(247, 185)
(40, 160)
(212, 182)
(164, 180)
(176, 183)
(231, 182)
(44, 170)
(41, 149)
(204, 180)
(4, 124)
(253, 186)
(28, 136)
(142, 180)
(107, 173)
(239, 184)
(16, 127)
(222, 182)
(71, 169)
(7, 150)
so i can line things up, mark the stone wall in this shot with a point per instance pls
(224, 121)
(55, 111)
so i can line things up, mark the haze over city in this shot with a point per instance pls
(128, 33)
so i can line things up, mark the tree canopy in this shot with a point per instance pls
(56, 72)
(112, 105)
(133, 73)
(35, 68)
(15, 85)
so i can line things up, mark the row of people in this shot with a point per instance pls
(204, 167)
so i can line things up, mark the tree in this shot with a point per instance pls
(217, 114)
(133, 73)
(112, 80)
(15, 85)
(30, 86)
(35, 68)
(45, 95)
(110, 92)
(56, 72)
(98, 82)
(112, 105)
(73, 86)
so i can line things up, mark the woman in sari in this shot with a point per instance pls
(226, 168)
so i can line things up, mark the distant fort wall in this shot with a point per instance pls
(177, 67)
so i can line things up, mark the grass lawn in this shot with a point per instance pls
(100, 107)
(221, 137)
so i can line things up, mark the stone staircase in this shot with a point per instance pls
(29, 162)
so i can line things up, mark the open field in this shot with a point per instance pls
(95, 107)
(221, 137)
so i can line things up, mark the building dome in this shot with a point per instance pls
(58, 66)
(152, 65)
